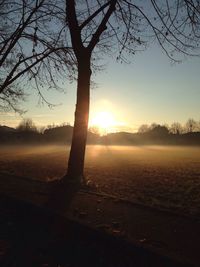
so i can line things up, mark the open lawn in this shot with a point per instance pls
(164, 177)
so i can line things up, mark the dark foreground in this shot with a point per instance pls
(32, 235)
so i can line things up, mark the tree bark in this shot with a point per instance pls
(75, 169)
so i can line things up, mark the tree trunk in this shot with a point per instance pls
(77, 153)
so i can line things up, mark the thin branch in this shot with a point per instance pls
(90, 18)
(102, 26)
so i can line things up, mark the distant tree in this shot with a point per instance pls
(159, 130)
(158, 126)
(50, 126)
(94, 130)
(59, 134)
(144, 128)
(27, 125)
(176, 128)
(198, 126)
(191, 126)
(153, 125)
(32, 49)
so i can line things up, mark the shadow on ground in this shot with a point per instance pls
(34, 236)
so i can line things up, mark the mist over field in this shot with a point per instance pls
(161, 176)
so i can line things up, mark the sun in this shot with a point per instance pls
(104, 121)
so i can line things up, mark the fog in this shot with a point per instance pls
(164, 176)
(49, 162)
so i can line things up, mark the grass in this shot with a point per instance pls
(164, 177)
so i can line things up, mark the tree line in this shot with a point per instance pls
(175, 134)
(190, 126)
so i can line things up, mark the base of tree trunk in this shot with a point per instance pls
(73, 179)
(61, 193)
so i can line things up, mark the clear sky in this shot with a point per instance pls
(148, 90)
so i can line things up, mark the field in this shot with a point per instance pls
(164, 177)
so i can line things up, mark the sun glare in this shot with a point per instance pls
(104, 121)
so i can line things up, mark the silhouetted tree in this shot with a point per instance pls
(176, 128)
(123, 27)
(153, 125)
(27, 125)
(159, 130)
(31, 38)
(144, 128)
(94, 130)
(191, 126)
(59, 134)
(198, 126)
(36, 30)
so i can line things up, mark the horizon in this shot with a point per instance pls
(103, 131)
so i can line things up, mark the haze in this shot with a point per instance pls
(166, 176)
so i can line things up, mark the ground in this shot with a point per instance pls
(164, 177)
(133, 212)
(88, 229)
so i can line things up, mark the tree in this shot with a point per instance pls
(176, 128)
(198, 126)
(94, 130)
(191, 126)
(123, 27)
(27, 125)
(32, 51)
(159, 130)
(144, 128)
(91, 28)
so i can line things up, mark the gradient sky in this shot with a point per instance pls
(148, 90)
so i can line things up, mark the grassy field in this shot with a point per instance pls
(165, 177)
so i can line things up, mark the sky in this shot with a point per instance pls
(149, 89)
